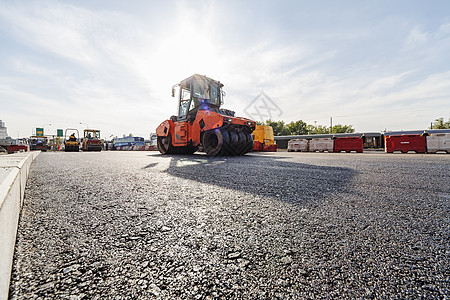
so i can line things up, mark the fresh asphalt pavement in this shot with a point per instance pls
(140, 225)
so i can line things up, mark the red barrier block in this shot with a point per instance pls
(270, 148)
(405, 143)
(17, 148)
(348, 144)
(257, 146)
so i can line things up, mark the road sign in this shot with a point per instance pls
(59, 132)
(39, 131)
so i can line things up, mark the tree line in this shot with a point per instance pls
(440, 124)
(301, 128)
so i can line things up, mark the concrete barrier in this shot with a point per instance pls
(136, 148)
(14, 170)
(321, 144)
(438, 142)
(298, 145)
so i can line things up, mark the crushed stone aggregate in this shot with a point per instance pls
(139, 225)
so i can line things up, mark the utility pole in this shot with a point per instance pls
(331, 125)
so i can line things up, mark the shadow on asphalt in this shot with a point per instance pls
(264, 176)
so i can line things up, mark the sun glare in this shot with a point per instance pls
(184, 53)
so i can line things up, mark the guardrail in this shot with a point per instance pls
(14, 170)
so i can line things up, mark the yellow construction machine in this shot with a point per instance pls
(71, 143)
(264, 139)
(91, 140)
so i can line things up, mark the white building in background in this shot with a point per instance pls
(5, 140)
(3, 130)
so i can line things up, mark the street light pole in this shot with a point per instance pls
(331, 122)
(331, 125)
(87, 126)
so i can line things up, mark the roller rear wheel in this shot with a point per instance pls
(213, 142)
(227, 141)
(242, 145)
(250, 143)
(234, 143)
(164, 144)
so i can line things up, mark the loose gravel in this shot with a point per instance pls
(139, 225)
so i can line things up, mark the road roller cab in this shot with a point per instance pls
(201, 124)
(91, 140)
(71, 142)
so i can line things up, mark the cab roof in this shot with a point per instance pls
(186, 81)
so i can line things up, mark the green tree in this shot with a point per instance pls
(279, 127)
(297, 128)
(440, 124)
(320, 129)
(301, 128)
(338, 128)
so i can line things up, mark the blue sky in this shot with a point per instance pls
(111, 64)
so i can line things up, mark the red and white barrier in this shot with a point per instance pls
(348, 144)
(405, 143)
(298, 145)
(136, 148)
(321, 145)
(438, 142)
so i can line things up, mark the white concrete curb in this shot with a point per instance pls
(14, 170)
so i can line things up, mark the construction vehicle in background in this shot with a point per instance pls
(264, 139)
(71, 143)
(201, 124)
(17, 145)
(91, 140)
(38, 143)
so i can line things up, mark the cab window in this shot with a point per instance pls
(184, 102)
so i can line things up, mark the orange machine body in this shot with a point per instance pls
(202, 124)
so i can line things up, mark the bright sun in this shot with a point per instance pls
(184, 53)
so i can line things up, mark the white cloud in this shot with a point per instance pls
(416, 37)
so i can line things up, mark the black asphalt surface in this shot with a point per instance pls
(139, 225)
